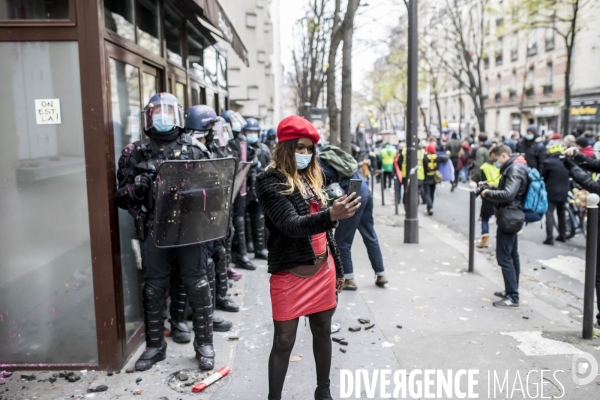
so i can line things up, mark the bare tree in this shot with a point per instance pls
(347, 33)
(463, 50)
(334, 44)
(308, 56)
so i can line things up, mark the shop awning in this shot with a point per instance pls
(213, 16)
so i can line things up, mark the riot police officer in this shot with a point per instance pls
(203, 124)
(262, 155)
(163, 123)
(271, 139)
(238, 146)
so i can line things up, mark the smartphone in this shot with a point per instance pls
(354, 187)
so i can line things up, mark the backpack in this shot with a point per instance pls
(344, 164)
(536, 200)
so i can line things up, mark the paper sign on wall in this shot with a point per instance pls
(47, 111)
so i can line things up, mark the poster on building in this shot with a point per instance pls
(47, 111)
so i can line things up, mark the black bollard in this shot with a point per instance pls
(382, 180)
(372, 177)
(590, 265)
(396, 189)
(472, 220)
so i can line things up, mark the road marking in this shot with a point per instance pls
(573, 267)
(533, 344)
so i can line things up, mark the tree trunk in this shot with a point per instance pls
(331, 102)
(424, 120)
(348, 31)
(570, 42)
(437, 107)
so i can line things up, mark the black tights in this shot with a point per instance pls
(283, 343)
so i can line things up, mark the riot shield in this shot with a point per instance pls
(240, 178)
(193, 201)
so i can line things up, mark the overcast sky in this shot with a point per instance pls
(372, 27)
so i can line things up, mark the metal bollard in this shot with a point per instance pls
(590, 265)
(382, 180)
(472, 220)
(396, 189)
(372, 177)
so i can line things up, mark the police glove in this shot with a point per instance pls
(143, 182)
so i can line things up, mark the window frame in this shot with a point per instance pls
(71, 21)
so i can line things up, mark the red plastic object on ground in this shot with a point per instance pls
(200, 386)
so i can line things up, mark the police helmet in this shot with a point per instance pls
(200, 120)
(162, 115)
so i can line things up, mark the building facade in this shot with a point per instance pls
(77, 73)
(252, 87)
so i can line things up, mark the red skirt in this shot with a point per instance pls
(293, 297)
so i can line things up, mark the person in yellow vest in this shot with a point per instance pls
(431, 163)
(484, 170)
(420, 172)
(387, 156)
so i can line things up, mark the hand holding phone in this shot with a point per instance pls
(354, 186)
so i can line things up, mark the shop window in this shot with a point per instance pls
(195, 97)
(119, 18)
(210, 64)
(150, 86)
(126, 107)
(34, 10)
(195, 49)
(149, 26)
(222, 72)
(173, 36)
(47, 312)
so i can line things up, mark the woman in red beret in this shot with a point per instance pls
(303, 257)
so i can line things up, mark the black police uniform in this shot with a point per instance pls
(262, 154)
(143, 158)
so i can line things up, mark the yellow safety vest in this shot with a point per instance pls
(387, 155)
(492, 173)
(420, 170)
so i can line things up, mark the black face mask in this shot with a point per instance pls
(209, 137)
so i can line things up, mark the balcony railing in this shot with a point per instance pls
(529, 92)
(548, 89)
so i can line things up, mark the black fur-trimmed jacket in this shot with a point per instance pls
(291, 225)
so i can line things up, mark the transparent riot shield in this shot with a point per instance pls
(193, 201)
(240, 178)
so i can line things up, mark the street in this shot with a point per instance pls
(432, 315)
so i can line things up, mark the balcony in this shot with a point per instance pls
(498, 59)
(532, 49)
(514, 55)
(547, 89)
(512, 94)
(529, 92)
(498, 97)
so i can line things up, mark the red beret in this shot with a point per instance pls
(556, 136)
(430, 148)
(295, 127)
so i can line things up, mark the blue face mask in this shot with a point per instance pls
(497, 164)
(529, 136)
(163, 123)
(302, 160)
(252, 138)
(361, 130)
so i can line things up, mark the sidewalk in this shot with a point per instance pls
(446, 317)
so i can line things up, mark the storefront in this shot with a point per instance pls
(76, 74)
(585, 115)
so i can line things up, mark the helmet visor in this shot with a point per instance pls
(162, 114)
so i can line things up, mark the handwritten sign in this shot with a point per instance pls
(47, 111)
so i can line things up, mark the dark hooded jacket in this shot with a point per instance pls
(534, 153)
(556, 178)
(512, 188)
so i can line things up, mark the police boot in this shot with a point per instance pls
(231, 272)
(180, 331)
(258, 236)
(201, 304)
(156, 347)
(249, 233)
(226, 304)
(220, 324)
(240, 257)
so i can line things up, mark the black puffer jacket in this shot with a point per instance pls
(578, 169)
(291, 225)
(512, 188)
(534, 153)
(556, 177)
